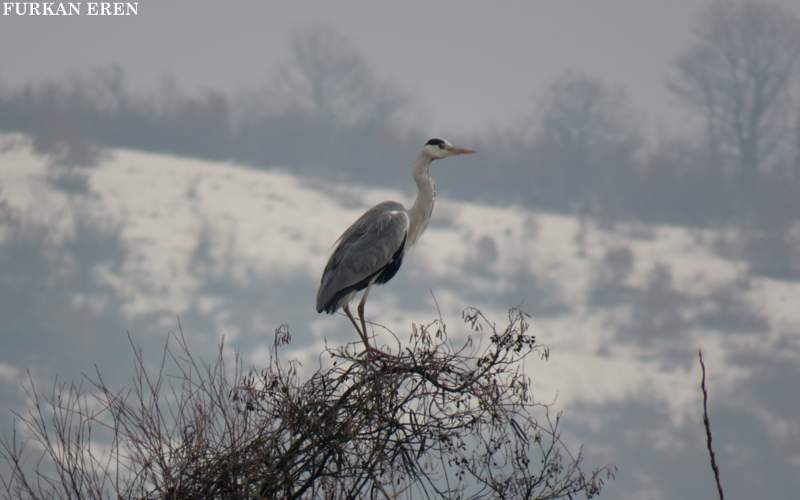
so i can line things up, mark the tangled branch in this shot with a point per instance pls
(437, 420)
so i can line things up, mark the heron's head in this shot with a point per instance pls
(438, 149)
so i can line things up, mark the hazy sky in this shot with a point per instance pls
(468, 63)
(625, 306)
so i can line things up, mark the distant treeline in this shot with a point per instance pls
(582, 150)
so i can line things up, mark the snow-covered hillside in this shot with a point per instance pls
(237, 252)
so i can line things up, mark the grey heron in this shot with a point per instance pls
(371, 250)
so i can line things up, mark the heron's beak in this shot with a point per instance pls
(460, 151)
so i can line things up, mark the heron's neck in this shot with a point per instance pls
(420, 213)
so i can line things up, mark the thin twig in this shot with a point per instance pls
(707, 424)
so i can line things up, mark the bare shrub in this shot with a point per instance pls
(435, 420)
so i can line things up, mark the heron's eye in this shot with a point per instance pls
(439, 143)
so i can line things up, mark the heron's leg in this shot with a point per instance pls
(371, 351)
(363, 336)
(361, 309)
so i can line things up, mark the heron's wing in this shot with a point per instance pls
(364, 251)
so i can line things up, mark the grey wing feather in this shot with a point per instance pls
(364, 249)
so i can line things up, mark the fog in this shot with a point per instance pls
(635, 190)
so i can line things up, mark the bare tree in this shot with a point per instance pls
(738, 75)
(586, 115)
(326, 77)
(586, 139)
(435, 421)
